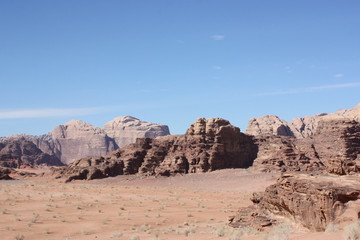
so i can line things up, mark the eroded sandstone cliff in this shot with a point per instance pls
(208, 144)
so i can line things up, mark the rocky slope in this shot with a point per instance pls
(22, 153)
(77, 139)
(208, 144)
(311, 199)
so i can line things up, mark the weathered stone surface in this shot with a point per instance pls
(251, 217)
(310, 199)
(208, 144)
(334, 147)
(303, 127)
(268, 125)
(77, 139)
(125, 130)
(281, 153)
(337, 143)
(22, 153)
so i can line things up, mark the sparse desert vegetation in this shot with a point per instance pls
(194, 206)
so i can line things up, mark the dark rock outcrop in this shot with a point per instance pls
(311, 199)
(4, 174)
(208, 144)
(22, 153)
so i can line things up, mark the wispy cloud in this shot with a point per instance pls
(48, 112)
(339, 75)
(218, 37)
(310, 89)
(217, 67)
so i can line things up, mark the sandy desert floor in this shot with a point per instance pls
(193, 206)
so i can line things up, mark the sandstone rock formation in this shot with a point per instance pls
(334, 147)
(77, 139)
(301, 127)
(281, 153)
(305, 126)
(125, 130)
(268, 125)
(310, 199)
(208, 144)
(22, 153)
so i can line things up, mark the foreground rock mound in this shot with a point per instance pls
(208, 144)
(22, 153)
(311, 199)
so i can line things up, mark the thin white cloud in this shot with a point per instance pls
(218, 37)
(339, 75)
(217, 67)
(310, 89)
(48, 112)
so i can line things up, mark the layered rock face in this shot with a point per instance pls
(334, 147)
(125, 130)
(22, 153)
(208, 144)
(321, 142)
(313, 200)
(77, 139)
(280, 153)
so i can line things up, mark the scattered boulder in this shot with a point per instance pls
(4, 174)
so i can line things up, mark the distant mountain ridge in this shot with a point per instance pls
(301, 127)
(77, 139)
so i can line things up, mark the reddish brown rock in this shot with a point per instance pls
(208, 144)
(334, 147)
(4, 174)
(313, 200)
(22, 153)
(280, 153)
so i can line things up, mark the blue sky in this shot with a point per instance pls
(173, 61)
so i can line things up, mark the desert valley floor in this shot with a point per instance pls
(192, 206)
